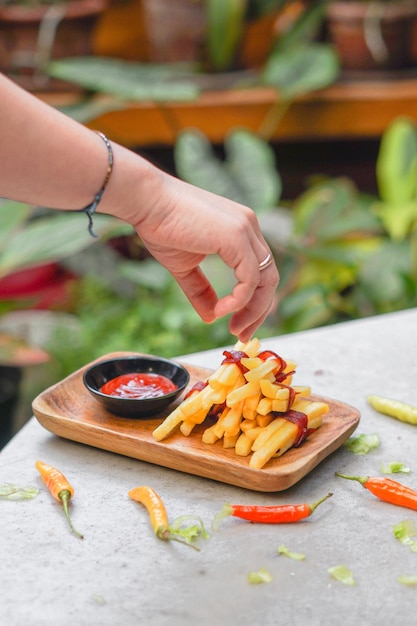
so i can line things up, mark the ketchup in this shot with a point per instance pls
(138, 386)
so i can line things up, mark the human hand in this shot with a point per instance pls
(183, 225)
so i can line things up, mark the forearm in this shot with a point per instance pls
(57, 162)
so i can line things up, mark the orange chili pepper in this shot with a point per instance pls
(59, 487)
(387, 490)
(156, 509)
(159, 518)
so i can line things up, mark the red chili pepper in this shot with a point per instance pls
(387, 490)
(280, 514)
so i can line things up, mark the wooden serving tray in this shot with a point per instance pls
(68, 410)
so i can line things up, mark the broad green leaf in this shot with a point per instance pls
(197, 163)
(225, 25)
(54, 238)
(398, 219)
(305, 308)
(301, 69)
(129, 80)
(90, 108)
(12, 216)
(251, 162)
(386, 286)
(396, 166)
(247, 174)
(306, 28)
(334, 209)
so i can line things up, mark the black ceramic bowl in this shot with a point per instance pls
(100, 373)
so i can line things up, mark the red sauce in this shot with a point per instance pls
(138, 385)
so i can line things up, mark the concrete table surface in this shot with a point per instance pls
(121, 575)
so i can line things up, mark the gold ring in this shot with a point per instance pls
(268, 260)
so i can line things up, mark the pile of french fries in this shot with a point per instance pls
(250, 408)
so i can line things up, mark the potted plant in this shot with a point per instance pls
(35, 241)
(343, 254)
(32, 32)
(372, 34)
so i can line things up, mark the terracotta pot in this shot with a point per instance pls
(372, 35)
(30, 36)
(175, 29)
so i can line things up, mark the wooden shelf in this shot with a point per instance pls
(351, 109)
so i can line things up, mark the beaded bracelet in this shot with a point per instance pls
(90, 209)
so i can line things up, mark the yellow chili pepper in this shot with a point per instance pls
(59, 487)
(156, 509)
(394, 408)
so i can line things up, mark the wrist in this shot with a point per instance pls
(133, 187)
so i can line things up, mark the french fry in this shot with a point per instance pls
(231, 420)
(251, 348)
(282, 439)
(229, 441)
(264, 420)
(252, 433)
(251, 362)
(241, 393)
(246, 424)
(250, 409)
(267, 432)
(210, 435)
(243, 445)
(227, 375)
(265, 370)
(169, 424)
(250, 406)
(264, 406)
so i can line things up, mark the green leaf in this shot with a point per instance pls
(52, 238)
(261, 576)
(390, 285)
(225, 25)
(333, 209)
(394, 467)
(8, 491)
(247, 174)
(129, 80)
(343, 574)
(396, 166)
(362, 444)
(405, 531)
(397, 219)
(292, 555)
(12, 216)
(90, 108)
(301, 69)
(251, 162)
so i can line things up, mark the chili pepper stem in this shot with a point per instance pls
(65, 496)
(166, 534)
(315, 504)
(360, 479)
